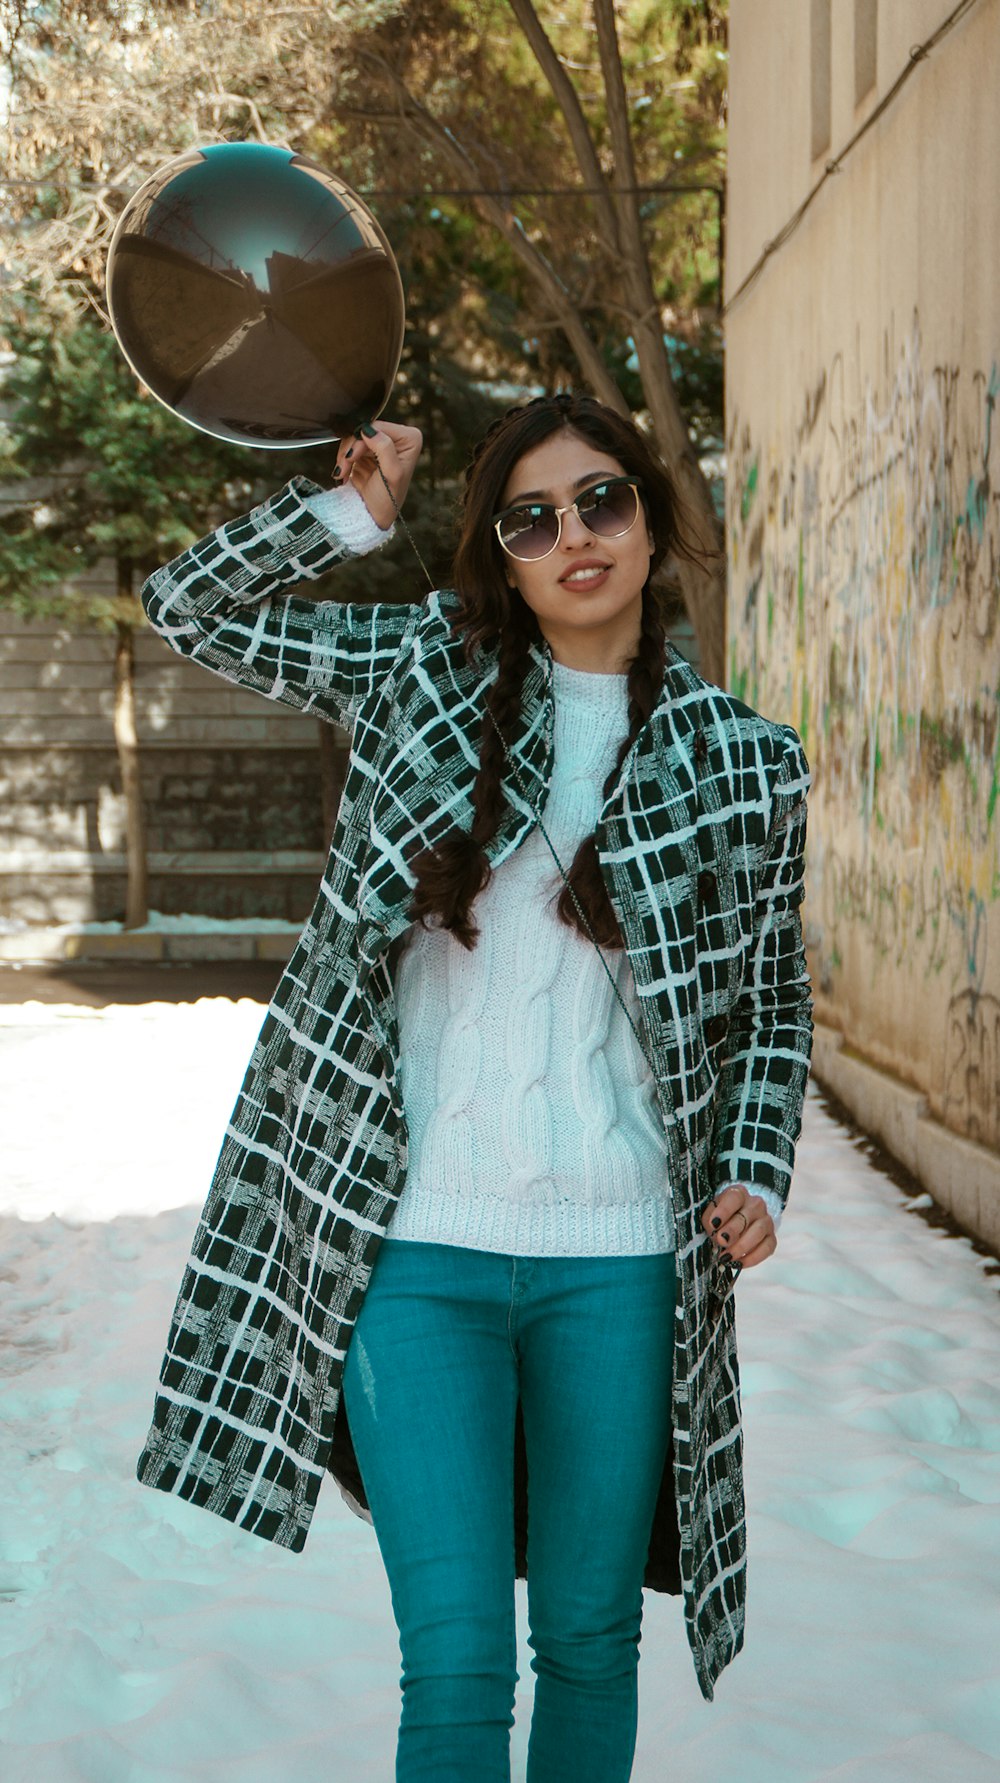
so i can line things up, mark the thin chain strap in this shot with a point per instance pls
(520, 786)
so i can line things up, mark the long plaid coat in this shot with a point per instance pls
(701, 846)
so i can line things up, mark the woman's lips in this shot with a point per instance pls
(583, 584)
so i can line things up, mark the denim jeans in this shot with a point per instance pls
(446, 1341)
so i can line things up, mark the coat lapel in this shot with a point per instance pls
(425, 781)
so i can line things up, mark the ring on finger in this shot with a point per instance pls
(743, 1217)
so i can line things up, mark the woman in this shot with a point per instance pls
(474, 1228)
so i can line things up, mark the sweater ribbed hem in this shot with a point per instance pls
(561, 1229)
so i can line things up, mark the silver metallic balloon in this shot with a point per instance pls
(256, 296)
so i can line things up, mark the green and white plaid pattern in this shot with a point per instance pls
(701, 843)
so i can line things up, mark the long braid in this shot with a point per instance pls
(451, 875)
(504, 705)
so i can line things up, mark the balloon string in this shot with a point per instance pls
(524, 795)
(369, 432)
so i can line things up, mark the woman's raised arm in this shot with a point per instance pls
(229, 602)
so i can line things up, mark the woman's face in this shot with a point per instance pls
(587, 594)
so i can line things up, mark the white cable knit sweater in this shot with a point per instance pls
(532, 1118)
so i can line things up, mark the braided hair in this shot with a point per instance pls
(492, 615)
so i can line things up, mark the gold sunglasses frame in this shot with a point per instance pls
(570, 508)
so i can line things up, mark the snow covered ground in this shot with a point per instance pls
(160, 923)
(143, 1641)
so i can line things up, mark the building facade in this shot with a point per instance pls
(863, 525)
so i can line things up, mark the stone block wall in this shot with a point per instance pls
(232, 785)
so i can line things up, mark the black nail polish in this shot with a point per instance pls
(726, 1236)
(717, 1221)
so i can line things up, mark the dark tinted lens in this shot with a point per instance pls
(529, 531)
(608, 508)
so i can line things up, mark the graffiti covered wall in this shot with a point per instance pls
(863, 515)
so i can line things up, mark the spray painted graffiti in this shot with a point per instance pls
(972, 1067)
(909, 907)
(865, 588)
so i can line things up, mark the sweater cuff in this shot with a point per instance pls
(771, 1199)
(344, 513)
(774, 1204)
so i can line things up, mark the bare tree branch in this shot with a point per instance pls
(568, 100)
(505, 219)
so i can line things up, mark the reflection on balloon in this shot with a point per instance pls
(256, 296)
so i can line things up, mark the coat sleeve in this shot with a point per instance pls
(769, 1040)
(229, 602)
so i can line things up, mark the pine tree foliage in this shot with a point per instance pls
(92, 469)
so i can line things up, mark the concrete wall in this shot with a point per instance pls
(863, 508)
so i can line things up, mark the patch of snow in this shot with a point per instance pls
(162, 923)
(146, 1641)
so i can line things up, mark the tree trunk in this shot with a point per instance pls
(704, 588)
(127, 745)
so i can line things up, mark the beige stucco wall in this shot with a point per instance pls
(863, 517)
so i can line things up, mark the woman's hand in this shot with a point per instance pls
(739, 1224)
(359, 456)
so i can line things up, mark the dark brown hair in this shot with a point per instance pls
(493, 615)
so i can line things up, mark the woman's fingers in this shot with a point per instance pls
(756, 1243)
(358, 462)
(384, 451)
(764, 1240)
(721, 1211)
(740, 1224)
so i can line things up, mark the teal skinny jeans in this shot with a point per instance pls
(446, 1341)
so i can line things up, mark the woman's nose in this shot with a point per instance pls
(574, 532)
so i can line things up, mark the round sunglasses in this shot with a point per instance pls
(532, 529)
